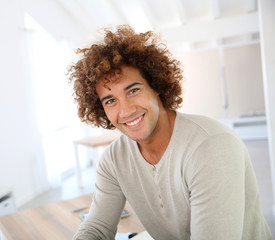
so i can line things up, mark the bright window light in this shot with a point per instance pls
(55, 109)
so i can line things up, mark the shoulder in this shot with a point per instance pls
(220, 156)
(209, 139)
(114, 152)
(203, 123)
(121, 145)
(119, 157)
(196, 130)
(223, 142)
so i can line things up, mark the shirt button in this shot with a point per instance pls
(161, 205)
(159, 196)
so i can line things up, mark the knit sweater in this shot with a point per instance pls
(204, 187)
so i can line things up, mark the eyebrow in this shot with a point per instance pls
(105, 98)
(126, 88)
(131, 85)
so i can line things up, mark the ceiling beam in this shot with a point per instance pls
(251, 5)
(181, 11)
(212, 30)
(148, 13)
(78, 13)
(216, 8)
(120, 8)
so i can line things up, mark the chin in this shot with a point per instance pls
(138, 137)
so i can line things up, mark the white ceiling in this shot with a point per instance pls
(188, 25)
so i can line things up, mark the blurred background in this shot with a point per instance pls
(224, 47)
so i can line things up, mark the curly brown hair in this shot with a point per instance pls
(123, 46)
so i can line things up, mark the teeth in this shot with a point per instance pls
(134, 122)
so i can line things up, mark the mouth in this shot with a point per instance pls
(135, 122)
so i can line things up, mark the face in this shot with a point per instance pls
(131, 104)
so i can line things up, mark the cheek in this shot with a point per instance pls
(111, 115)
(154, 102)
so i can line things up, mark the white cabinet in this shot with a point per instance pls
(250, 128)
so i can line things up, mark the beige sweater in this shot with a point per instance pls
(204, 187)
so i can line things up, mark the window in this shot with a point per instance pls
(56, 112)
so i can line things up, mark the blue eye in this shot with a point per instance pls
(134, 90)
(109, 102)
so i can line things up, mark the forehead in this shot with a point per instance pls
(126, 75)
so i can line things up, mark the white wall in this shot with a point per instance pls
(203, 84)
(56, 20)
(244, 79)
(21, 158)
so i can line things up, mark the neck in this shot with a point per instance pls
(153, 149)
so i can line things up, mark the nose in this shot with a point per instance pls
(126, 109)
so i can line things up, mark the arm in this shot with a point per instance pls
(107, 205)
(216, 181)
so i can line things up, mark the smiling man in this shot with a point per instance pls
(186, 176)
(134, 108)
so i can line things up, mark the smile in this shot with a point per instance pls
(135, 122)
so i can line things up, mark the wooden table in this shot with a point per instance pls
(56, 221)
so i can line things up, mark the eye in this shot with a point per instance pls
(133, 91)
(109, 102)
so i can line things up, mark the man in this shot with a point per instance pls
(186, 176)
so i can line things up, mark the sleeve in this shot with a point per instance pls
(107, 205)
(216, 182)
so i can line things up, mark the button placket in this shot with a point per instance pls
(160, 201)
(154, 172)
